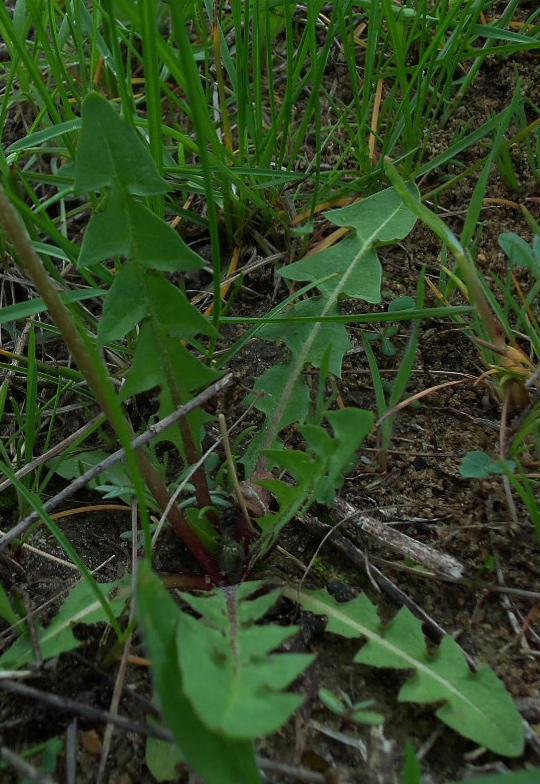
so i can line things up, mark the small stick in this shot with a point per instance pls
(505, 598)
(232, 471)
(30, 620)
(59, 449)
(357, 557)
(445, 564)
(71, 752)
(149, 730)
(116, 457)
(24, 768)
(292, 771)
(87, 711)
(42, 607)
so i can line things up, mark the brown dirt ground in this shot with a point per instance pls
(420, 488)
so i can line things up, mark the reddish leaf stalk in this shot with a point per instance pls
(93, 369)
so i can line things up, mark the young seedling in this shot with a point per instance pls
(348, 711)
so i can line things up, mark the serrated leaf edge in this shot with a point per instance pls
(323, 608)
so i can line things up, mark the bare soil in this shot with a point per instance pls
(419, 488)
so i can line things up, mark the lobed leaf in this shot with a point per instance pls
(126, 227)
(475, 704)
(231, 676)
(217, 758)
(111, 154)
(294, 335)
(137, 293)
(81, 606)
(162, 360)
(270, 384)
(318, 472)
(355, 262)
(380, 218)
(349, 269)
(351, 427)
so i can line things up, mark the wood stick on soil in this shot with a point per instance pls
(446, 565)
(116, 457)
(148, 730)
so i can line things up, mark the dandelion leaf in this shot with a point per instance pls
(232, 676)
(111, 154)
(475, 704)
(217, 758)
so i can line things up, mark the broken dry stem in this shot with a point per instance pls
(77, 484)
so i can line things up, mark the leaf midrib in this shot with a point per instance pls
(301, 358)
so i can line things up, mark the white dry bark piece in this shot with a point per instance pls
(438, 562)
